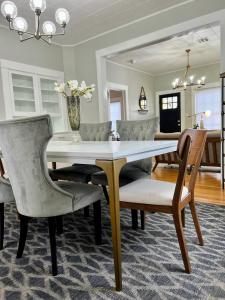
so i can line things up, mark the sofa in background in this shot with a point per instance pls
(211, 156)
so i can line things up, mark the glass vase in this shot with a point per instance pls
(73, 109)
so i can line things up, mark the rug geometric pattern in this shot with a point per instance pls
(152, 264)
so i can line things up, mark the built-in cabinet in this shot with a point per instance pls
(28, 91)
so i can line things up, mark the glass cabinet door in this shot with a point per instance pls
(23, 94)
(50, 98)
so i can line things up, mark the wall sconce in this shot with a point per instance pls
(142, 101)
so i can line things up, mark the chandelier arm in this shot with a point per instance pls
(44, 40)
(55, 34)
(26, 39)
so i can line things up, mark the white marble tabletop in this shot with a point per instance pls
(88, 152)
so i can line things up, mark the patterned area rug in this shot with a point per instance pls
(152, 265)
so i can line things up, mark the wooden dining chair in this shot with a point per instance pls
(166, 197)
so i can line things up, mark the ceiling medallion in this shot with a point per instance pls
(188, 81)
(19, 24)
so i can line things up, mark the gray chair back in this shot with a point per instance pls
(95, 131)
(23, 143)
(141, 130)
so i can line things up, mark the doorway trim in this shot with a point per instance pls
(182, 105)
(119, 87)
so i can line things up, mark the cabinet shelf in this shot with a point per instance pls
(22, 87)
(30, 91)
(26, 100)
(48, 90)
(50, 102)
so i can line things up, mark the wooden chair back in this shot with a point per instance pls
(189, 150)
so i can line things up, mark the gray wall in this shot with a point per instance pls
(85, 54)
(31, 52)
(134, 80)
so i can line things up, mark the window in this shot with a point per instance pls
(115, 113)
(209, 99)
(169, 103)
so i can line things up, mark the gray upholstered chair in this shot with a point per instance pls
(23, 143)
(6, 196)
(83, 172)
(140, 130)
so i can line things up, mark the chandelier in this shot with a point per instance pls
(188, 80)
(19, 24)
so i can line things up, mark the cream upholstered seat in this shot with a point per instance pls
(150, 192)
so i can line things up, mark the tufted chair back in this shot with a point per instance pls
(23, 143)
(95, 131)
(141, 130)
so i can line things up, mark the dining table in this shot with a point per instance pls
(110, 156)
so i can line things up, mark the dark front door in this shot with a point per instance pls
(169, 107)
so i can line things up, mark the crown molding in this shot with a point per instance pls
(129, 68)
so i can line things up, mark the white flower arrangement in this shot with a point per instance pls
(72, 87)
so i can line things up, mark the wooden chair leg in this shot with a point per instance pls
(181, 240)
(134, 217)
(23, 235)
(155, 166)
(142, 212)
(52, 232)
(59, 224)
(1, 225)
(196, 223)
(183, 217)
(98, 222)
(105, 193)
(86, 212)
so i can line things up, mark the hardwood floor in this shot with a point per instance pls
(208, 187)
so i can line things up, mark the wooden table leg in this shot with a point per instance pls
(112, 170)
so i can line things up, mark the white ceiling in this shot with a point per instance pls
(170, 55)
(93, 17)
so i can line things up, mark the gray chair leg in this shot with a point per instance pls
(59, 224)
(142, 212)
(98, 222)
(134, 216)
(52, 232)
(23, 235)
(105, 193)
(86, 212)
(1, 225)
